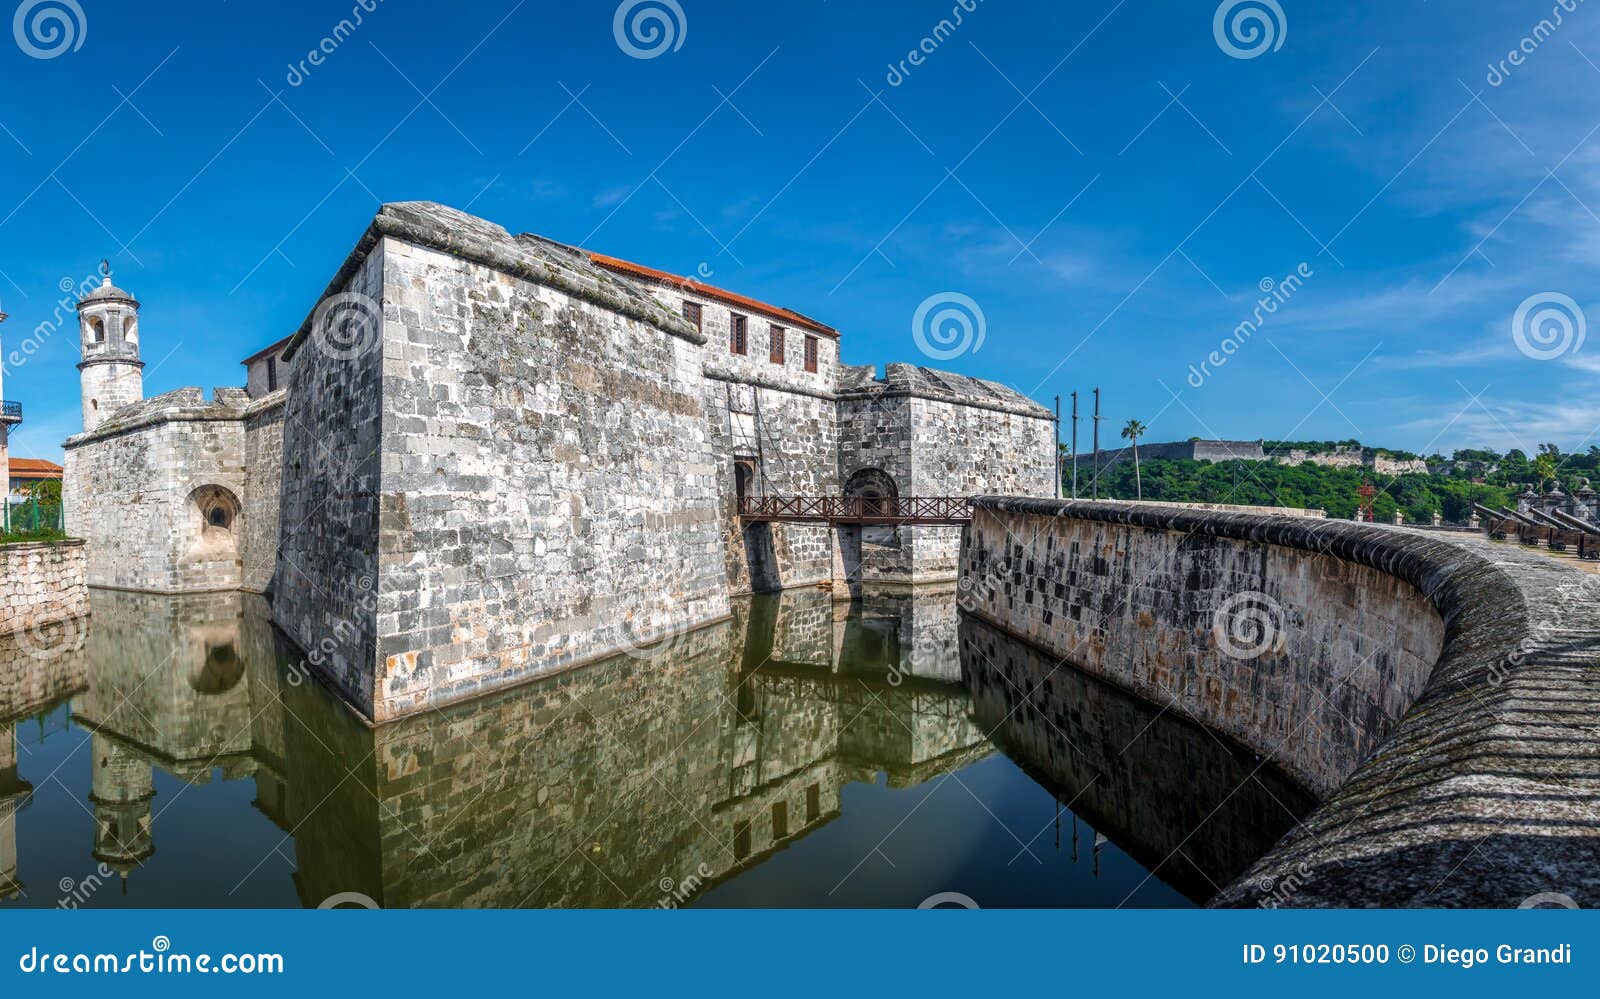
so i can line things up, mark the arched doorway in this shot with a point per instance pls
(871, 552)
(875, 486)
(744, 479)
(213, 524)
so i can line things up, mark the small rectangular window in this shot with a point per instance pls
(811, 353)
(813, 803)
(780, 820)
(738, 341)
(776, 352)
(272, 374)
(691, 312)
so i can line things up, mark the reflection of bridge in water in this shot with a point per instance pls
(599, 786)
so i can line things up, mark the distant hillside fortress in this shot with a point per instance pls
(485, 457)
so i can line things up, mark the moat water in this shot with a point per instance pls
(172, 751)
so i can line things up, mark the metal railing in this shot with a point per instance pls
(31, 516)
(858, 509)
(11, 410)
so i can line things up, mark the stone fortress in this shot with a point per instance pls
(1199, 449)
(486, 457)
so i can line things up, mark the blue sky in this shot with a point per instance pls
(1103, 179)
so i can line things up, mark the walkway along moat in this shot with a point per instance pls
(1439, 693)
(806, 752)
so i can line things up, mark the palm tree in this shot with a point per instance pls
(1545, 467)
(1132, 432)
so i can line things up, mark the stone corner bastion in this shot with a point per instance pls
(1438, 694)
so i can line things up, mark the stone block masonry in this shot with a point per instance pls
(1437, 693)
(42, 583)
(538, 492)
(1343, 650)
(934, 433)
(790, 438)
(484, 457)
(165, 495)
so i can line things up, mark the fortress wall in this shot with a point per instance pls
(795, 436)
(327, 566)
(875, 433)
(549, 492)
(962, 450)
(777, 412)
(263, 462)
(42, 583)
(1344, 650)
(1436, 692)
(43, 600)
(127, 493)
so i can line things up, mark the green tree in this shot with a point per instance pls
(1545, 466)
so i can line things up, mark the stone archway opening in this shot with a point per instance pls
(214, 523)
(874, 551)
(873, 484)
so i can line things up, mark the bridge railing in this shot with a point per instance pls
(858, 509)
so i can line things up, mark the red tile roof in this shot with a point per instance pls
(34, 468)
(701, 288)
(269, 349)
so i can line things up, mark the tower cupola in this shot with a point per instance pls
(111, 371)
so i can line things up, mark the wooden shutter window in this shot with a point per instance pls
(691, 312)
(811, 353)
(737, 341)
(776, 352)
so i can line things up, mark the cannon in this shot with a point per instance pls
(1498, 523)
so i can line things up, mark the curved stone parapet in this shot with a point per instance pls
(1438, 693)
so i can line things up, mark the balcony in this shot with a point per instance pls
(10, 412)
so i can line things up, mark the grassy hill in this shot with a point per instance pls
(1450, 487)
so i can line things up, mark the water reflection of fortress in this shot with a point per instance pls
(598, 786)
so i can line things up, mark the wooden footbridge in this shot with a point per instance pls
(853, 510)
